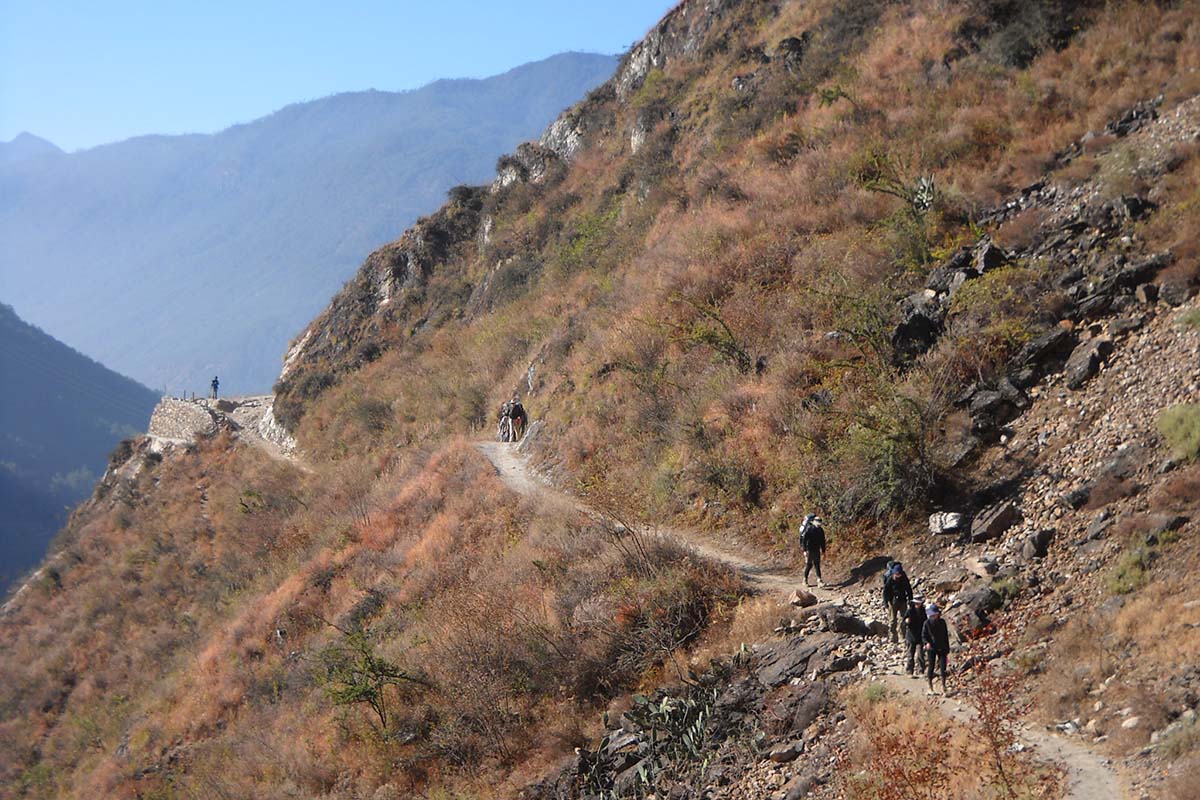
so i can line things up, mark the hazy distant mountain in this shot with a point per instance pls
(26, 146)
(60, 415)
(174, 258)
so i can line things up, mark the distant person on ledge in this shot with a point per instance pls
(216, 384)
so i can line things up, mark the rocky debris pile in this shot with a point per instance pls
(176, 422)
(1107, 284)
(777, 700)
(181, 421)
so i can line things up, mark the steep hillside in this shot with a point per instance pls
(925, 268)
(224, 246)
(60, 415)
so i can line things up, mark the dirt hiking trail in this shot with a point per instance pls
(1088, 776)
(514, 469)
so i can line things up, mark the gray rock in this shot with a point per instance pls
(984, 566)
(980, 601)
(994, 520)
(1077, 498)
(949, 580)
(627, 781)
(786, 753)
(1051, 345)
(838, 621)
(1124, 325)
(944, 522)
(1146, 294)
(1174, 292)
(1141, 271)
(1037, 545)
(1093, 306)
(1164, 523)
(802, 598)
(782, 662)
(799, 787)
(989, 255)
(941, 278)
(1085, 361)
(921, 317)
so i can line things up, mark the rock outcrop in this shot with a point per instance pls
(181, 421)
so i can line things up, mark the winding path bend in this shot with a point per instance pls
(1088, 775)
(513, 468)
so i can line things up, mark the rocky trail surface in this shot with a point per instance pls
(1089, 776)
(252, 419)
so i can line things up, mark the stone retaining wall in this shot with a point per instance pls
(181, 420)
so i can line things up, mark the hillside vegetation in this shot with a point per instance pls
(707, 281)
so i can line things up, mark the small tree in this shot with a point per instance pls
(997, 722)
(353, 674)
(907, 760)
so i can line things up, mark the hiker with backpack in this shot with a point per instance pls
(216, 384)
(897, 594)
(504, 431)
(935, 639)
(516, 413)
(914, 625)
(812, 539)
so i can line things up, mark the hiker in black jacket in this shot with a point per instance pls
(519, 419)
(935, 637)
(914, 624)
(812, 539)
(897, 593)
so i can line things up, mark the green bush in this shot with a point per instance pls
(1180, 426)
(1130, 572)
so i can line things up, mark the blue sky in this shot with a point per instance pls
(84, 73)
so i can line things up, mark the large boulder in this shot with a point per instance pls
(839, 621)
(802, 598)
(943, 522)
(994, 520)
(780, 663)
(1037, 544)
(973, 608)
(952, 273)
(1174, 292)
(794, 707)
(989, 255)
(921, 317)
(1045, 350)
(984, 566)
(1085, 361)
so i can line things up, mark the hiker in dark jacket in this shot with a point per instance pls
(505, 422)
(812, 539)
(216, 384)
(914, 625)
(897, 593)
(519, 419)
(935, 637)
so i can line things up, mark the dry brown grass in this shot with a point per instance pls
(903, 749)
(759, 213)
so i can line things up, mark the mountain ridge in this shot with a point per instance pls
(61, 413)
(215, 211)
